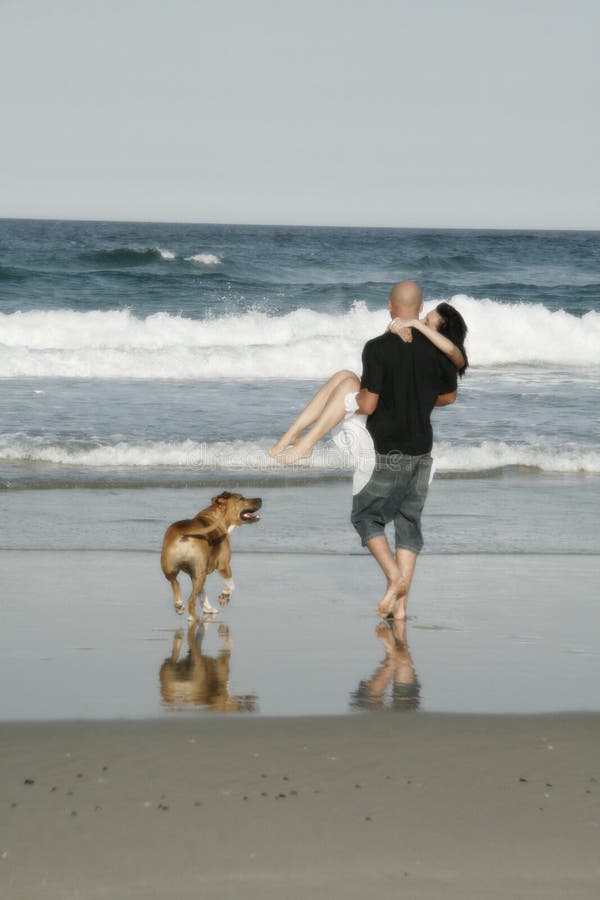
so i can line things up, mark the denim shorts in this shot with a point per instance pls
(395, 492)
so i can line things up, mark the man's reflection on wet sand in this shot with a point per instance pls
(396, 669)
(199, 679)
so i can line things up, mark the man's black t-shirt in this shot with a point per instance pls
(408, 379)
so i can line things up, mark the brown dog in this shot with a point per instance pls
(200, 545)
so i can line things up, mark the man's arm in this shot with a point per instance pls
(367, 401)
(371, 380)
(445, 399)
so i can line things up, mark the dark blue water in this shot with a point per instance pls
(107, 265)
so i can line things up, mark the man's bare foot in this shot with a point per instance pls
(391, 599)
(400, 609)
(301, 450)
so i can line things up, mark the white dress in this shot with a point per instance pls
(354, 440)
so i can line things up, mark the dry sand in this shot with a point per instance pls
(416, 806)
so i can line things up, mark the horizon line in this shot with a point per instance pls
(249, 224)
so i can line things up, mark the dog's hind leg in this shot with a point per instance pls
(197, 585)
(177, 601)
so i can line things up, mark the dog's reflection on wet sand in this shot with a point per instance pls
(199, 679)
(396, 669)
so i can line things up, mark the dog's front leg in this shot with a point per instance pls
(227, 576)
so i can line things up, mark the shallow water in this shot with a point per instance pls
(511, 513)
(91, 635)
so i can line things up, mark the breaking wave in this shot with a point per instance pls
(127, 256)
(487, 456)
(303, 344)
(124, 257)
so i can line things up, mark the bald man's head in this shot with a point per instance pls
(405, 300)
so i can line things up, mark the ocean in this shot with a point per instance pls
(145, 355)
(145, 367)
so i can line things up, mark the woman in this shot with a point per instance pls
(444, 327)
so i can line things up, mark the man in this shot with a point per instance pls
(401, 384)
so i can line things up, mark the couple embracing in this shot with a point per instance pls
(407, 371)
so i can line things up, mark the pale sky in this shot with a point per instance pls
(326, 112)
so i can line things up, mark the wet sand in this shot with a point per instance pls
(93, 635)
(417, 805)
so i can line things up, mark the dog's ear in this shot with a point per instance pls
(221, 498)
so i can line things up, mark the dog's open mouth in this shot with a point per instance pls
(248, 515)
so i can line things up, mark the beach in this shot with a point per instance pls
(137, 786)
(415, 805)
(293, 745)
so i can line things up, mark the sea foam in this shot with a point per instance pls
(204, 259)
(303, 344)
(486, 456)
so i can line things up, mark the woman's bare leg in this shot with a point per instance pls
(332, 412)
(311, 412)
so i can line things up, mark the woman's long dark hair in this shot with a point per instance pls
(455, 329)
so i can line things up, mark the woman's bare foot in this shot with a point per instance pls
(301, 450)
(396, 592)
(284, 443)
